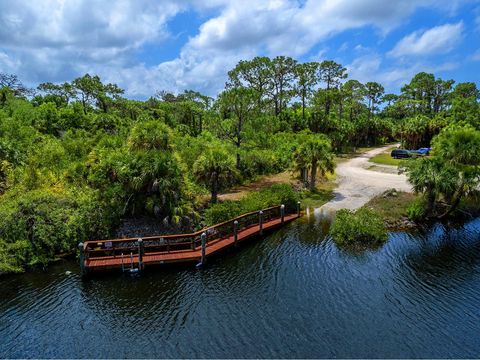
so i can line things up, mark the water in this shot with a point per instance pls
(293, 294)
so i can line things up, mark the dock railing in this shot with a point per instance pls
(130, 248)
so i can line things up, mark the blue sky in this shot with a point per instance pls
(145, 46)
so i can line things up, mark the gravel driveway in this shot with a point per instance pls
(357, 184)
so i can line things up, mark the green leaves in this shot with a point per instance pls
(453, 171)
(37, 225)
(361, 227)
(216, 169)
(150, 135)
(275, 195)
(459, 146)
(315, 154)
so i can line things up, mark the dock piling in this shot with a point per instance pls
(82, 257)
(140, 254)
(298, 208)
(260, 221)
(282, 213)
(203, 258)
(235, 232)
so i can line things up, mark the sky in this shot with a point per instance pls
(146, 45)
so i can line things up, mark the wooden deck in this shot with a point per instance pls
(135, 253)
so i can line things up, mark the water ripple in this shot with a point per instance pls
(292, 294)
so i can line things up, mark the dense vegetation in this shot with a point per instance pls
(77, 157)
(449, 176)
(363, 226)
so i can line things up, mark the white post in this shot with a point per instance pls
(204, 248)
(140, 254)
(260, 221)
(235, 232)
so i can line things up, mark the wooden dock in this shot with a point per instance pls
(134, 254)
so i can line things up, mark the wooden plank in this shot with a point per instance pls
(164, 257)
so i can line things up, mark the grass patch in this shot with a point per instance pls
(339, 158)
(392, 205)
(385, 159)
(275, 195)
(321, 195)
(317, 198)
(258, 184)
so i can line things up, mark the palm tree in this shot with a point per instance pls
(452, 173)
(459, 147)
(315, 153)
(432, 177)
(216, 169)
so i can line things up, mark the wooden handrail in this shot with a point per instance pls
(95, 249)
(177, 236)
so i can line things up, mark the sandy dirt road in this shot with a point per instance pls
(356, 184)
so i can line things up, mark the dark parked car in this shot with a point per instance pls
(400, 154)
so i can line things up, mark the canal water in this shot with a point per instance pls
(292, 294)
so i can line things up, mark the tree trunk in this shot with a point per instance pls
(304, 175)
(303, 107)
(84, 103)
(313, 175)
(430, 202)
(457, 197)
(238, 161)
(454, 205)
(214, 188)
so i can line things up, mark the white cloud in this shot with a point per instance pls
(89, 24)
(8, 64)
(244, 29)
(437, 40)
(57, 40)
(392, 76)
(364, 67)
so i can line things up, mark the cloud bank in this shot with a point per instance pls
(57, 40)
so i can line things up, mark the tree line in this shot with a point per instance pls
(78, 156)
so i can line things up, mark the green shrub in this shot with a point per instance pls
(275, 195)
(220, 212)
(256, 162)
(416, 210)
(363, 226)
(37, 225)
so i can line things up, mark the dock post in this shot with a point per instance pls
(298, 208)
(140, 254)
(82, 258)
(282, 213)
(203, 259)
(204, 247)
(235, 232)
(260, 221)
